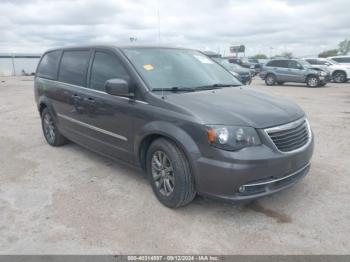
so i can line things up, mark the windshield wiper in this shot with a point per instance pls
(214, 86)
(176, 89)
(193, 89)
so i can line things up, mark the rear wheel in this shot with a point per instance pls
(50, 130)
(312, 81)
(169, 173)
(339, 77)
(270, 80)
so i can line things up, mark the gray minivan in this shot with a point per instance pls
(176, 114)
(280, 71)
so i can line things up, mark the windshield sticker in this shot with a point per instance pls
(203, 59)
(148, 67)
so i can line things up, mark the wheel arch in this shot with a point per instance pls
(175, 134)
(43, 103)
(339, 71)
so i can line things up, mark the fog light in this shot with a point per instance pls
(241, 189)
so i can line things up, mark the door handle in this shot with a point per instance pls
(75, 96)
(90, 100)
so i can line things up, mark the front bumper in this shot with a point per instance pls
(261, 170)
(325, 79)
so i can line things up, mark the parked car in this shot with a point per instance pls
(242, 61)
(340, 73)
(279, 71)
(255, 63)
(243, 74)
(345, 60)
(176, 114)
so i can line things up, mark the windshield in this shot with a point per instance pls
(166, 68)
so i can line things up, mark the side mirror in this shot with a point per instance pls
(118, 87)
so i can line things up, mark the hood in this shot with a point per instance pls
(237, 106)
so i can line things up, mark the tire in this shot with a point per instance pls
(339, 77)
(312, 81)
(50, 130)
(280, 83)
(270, 80)
(179, 189)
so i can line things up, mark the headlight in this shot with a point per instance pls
(322, 73)
(232, 137)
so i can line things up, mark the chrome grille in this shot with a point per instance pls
(291, 136)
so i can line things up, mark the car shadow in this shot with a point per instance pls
(200, 205)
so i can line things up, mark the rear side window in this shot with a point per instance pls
(49, 65)
(277, 63)
(74, 66)
(106, 66)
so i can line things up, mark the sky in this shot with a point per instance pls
(263, 26)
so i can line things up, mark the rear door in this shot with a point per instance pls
(107, 120)
(280, 69)
(72, 83)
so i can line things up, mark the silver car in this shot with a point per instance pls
(279, 71)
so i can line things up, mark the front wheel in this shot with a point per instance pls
(339, 77)
(312, 81)
(169, 173)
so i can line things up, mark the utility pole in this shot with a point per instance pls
(13, 65)
(158, 24)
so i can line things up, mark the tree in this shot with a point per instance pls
(327, 53)
(288, 55)
(260, 56)
(344, 47)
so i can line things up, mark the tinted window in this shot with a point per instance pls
(277, 63)
(73, 67)
(49, 64)
(105, 67)
(294, 64)
(342, 59)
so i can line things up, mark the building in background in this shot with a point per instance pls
(18, 64)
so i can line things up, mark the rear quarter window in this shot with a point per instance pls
(73, 68)
(49, 65)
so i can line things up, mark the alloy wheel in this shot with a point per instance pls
(270, 80)
(49, 128)
(339, 77)
(313, 81)
(163, 173)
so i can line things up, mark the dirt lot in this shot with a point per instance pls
(68, 200)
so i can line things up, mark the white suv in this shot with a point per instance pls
(340, 72)
(344, 60)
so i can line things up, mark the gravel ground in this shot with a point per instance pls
(68, 200)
